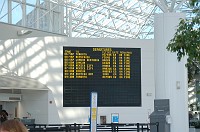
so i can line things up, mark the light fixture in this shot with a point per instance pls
(23, 32)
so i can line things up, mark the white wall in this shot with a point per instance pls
(34, 102)
(10, 108)
(171, 75)
(41, 58)
(9, 31)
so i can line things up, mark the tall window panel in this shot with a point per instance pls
(31, 18)
(16, 13)
(4, 11)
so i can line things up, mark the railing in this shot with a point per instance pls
(113, 127)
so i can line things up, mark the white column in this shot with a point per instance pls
(171, 75)
(10, 12)
(23, 6)
(37, 14)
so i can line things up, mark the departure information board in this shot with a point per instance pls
(114, 73)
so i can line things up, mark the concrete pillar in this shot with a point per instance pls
(171, 75)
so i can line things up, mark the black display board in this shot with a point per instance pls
(114, 73)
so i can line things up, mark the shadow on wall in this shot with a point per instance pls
(41, 59)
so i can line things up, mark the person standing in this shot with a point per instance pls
(3, 116)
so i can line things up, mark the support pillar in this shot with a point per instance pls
(171, 75)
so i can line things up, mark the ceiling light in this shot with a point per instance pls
(23, 32)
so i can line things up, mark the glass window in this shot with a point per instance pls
(33, 2)
(16, 13)
(43, 3)
(29, 9)
(55, 22)
(31, 16)
(4, 11)
(44, 20)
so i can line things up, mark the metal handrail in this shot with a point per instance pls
(112, 127)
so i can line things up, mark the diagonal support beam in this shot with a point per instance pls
(161, 5)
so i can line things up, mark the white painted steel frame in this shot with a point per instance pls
(93, 18)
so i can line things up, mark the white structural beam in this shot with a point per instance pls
(138, 14)
(179, 5)
(161, 5)
(171, 6)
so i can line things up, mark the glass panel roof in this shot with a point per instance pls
(128, 19)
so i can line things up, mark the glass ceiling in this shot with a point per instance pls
(128, 19)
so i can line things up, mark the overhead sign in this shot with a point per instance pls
(114, 73)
